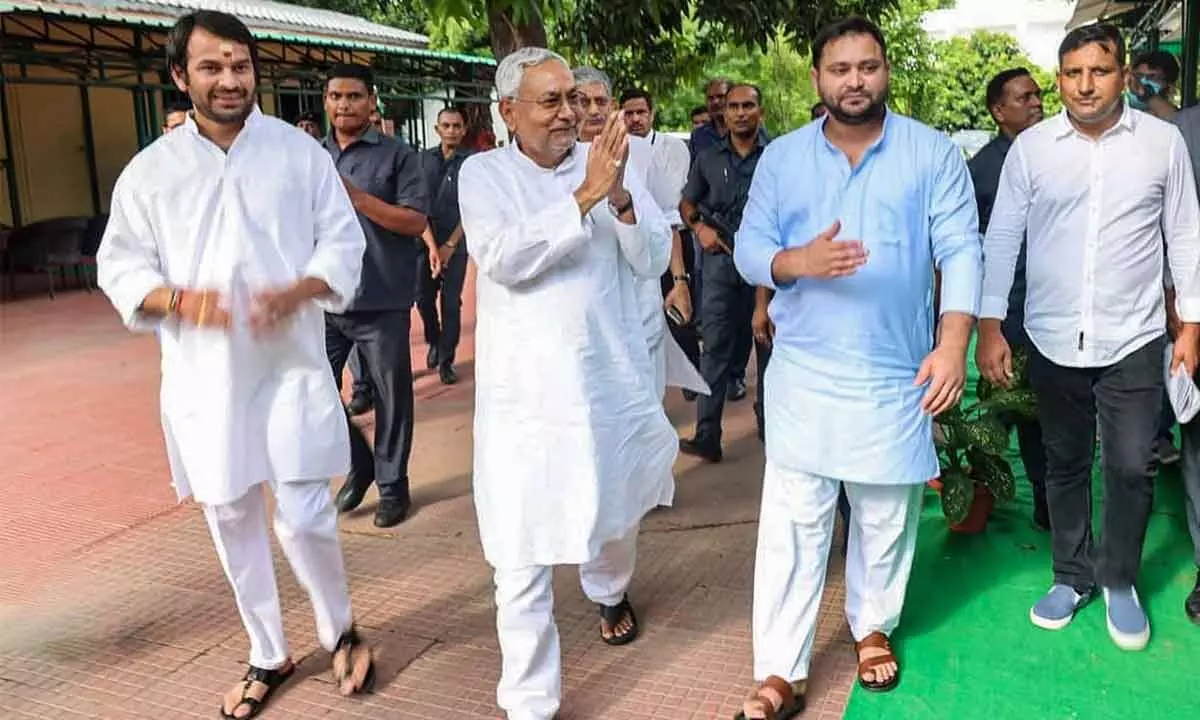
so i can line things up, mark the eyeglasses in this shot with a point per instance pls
(553, 101)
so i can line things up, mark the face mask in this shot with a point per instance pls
(1152, 89)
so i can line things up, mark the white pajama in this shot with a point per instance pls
(306, 525)
(531, 665)
(795, 532)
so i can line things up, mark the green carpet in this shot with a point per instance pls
(969, 651)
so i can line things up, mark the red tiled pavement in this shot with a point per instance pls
(112, 603)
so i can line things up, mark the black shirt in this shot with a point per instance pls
(441, 177)
(985, 170)
(391, 171)
(720, 180)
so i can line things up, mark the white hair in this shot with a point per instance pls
(511, 71)
(589, 75)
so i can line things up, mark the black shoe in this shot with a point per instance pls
(360, 404)
(449, 377)
(689, 395)
(431, 358)
(704, 450)
(1165, 451)
(352, 493)
(391, 512)
(1192, 605)
(736, 391)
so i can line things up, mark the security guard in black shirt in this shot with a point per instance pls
(441, 165)
(713, 201)
(384, 179)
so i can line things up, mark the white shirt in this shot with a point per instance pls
(1097, 213)
(669, 163)
(237, 410)
(572, 446)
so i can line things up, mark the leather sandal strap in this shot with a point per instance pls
(783, 688)
(874, 640)
(871, 663)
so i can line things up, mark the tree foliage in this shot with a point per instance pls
(964, 66)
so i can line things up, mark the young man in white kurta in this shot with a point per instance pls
(253, 222)
(572, 446)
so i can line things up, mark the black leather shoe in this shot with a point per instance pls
(431, 358)
(1192, 605)
(704, 450)
(449, 377)
(360, 404)
(736, 391)
(391, 513)
(351, 495)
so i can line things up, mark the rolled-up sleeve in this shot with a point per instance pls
(758, 237)
(339, 241)
(1005, 233)
(954, 234)
(510, 246)
(128, 264)
(1181, 229)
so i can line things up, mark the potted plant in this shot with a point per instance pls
(972, 444)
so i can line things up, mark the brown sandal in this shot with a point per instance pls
(354, 647)
(761, 705)
(880, 641)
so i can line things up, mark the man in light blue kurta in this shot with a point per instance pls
(847, 220)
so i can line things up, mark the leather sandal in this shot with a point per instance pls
(613, 616)
(761, 705)
(271, 679)
(880, 641)
(352, 645)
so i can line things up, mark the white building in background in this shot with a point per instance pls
(1039, 25)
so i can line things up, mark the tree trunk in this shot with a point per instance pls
(508, 35)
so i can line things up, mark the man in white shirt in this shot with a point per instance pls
(1096, 190)
(230, 235)
(669, 163)
(572, 446)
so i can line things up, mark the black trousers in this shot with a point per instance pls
(728, 308)
(1029, 432)
(1127, 397)
(383, 339)
(443, 335)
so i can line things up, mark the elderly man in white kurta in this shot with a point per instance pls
(670, 364)
(572, 446)
(229, 236)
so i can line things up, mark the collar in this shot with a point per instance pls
(1127, 123)
(253, 119)
(564, 165)
(371, 137)
(888, 121)
(760, 142)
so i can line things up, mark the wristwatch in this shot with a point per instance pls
(619, 211)
(681, 278)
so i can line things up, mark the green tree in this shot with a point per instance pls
(964, 66)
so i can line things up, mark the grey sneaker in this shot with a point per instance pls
(1057, 608)
(1127, 623)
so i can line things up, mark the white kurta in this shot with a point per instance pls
(670, 364)
(238, 411)
(572, 446)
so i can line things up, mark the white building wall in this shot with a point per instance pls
(1039, 25)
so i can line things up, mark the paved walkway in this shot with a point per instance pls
(112, 604)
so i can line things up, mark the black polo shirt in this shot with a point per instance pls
(391, 171)
(441, 177)
(720, 179)
(985, 170)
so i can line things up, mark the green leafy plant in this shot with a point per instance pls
(972, 441)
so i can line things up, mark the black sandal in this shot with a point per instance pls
(613, 616)
(350, 641)
(272, 679)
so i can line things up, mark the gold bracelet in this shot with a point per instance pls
(173, 304)
(202, 315)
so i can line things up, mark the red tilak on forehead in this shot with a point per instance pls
(226, 48)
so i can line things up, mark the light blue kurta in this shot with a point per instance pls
(840, 395)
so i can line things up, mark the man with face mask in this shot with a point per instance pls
(387, 187)
(846, 219)
(1094, 193)
(1152, 83)
(1015, 102)
(572, 446)
(230, 235)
